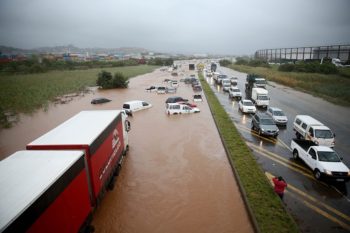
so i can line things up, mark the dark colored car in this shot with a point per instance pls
(151, 88)
(100, 100)
(264, 124)
(175, 99)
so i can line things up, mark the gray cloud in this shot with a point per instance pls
(206, 26)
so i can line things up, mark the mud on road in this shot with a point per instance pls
(176, 176)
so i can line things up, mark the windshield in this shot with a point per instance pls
(278, 113)
(260, 81)
(235, 90)
(328, 156)
(323, 133)
(248, 103)
(263, 97)
(267, 121)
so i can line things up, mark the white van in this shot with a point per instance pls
(308, 128)
(176, 108)
(136, 105)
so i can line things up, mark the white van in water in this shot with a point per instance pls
(136, 105)
(308, 128)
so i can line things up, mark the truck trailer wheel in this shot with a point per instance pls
(295, 154)
(317, 174)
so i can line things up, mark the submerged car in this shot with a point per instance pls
(197, 98)
(100, 100)
(264, 125)
(151, 88)
(136, 105)
(277, 115)
(175, 99)
(176, 108)
(246, 106)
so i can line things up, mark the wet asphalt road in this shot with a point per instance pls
(317, 206)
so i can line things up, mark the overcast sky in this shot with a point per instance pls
(188, 26)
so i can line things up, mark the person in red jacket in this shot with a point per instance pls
(280, 185)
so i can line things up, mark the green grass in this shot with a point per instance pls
(333, 88)
(27, 92)
(267, 209)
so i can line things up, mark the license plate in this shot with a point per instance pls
(339, 179)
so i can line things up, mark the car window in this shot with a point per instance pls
(303, 126)
(311, 132)
(269, 110)
(126, 106)
(323, 133)
(267, 121)
(328, 156)
(278, 113)
(312, 153)
(144, 104)
(298, 121)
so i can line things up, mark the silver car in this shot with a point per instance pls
(278, 116)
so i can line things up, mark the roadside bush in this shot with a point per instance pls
(286, 67)
(258, 63)
(225, 62)
(241, 61)
(310, 67)
(106, 81)
(120, 81)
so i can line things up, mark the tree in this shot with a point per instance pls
(104, 80)
(119, 81)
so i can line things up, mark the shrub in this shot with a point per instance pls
(241, 61)
(120, 81)
(106, 81)
(286, 67)
(225, 62)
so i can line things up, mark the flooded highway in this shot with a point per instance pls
(317, 206)
(176, 176)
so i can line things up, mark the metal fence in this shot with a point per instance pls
(305, 53)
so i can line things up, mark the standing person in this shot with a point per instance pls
(280, 185)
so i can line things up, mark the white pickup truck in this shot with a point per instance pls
(322, 160)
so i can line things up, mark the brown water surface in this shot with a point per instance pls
(176, 177)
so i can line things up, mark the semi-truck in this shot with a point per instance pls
(213, 67)
(260, 97)
(44, 191)
(254, 80)
(322, 160)
(102, 136)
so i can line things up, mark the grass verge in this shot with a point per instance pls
(27, 92)
(266, 207)
(333, 88)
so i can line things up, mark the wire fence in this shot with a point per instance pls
(305, 53)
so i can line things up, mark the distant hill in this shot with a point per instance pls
(72, 49)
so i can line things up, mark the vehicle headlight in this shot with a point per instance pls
(263, 130)
(327, 172)
(348, 173)
(316, 142)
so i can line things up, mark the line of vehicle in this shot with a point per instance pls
(292, 191)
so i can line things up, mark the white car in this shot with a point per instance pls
(234, 93)
(277, 115)
(176, 108)
(197, 98)
(246, 106)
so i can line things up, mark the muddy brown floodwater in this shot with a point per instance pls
(176, 177)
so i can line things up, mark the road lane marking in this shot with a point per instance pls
(313, 207)
(288, 164)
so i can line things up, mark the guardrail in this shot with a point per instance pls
(305, 53)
